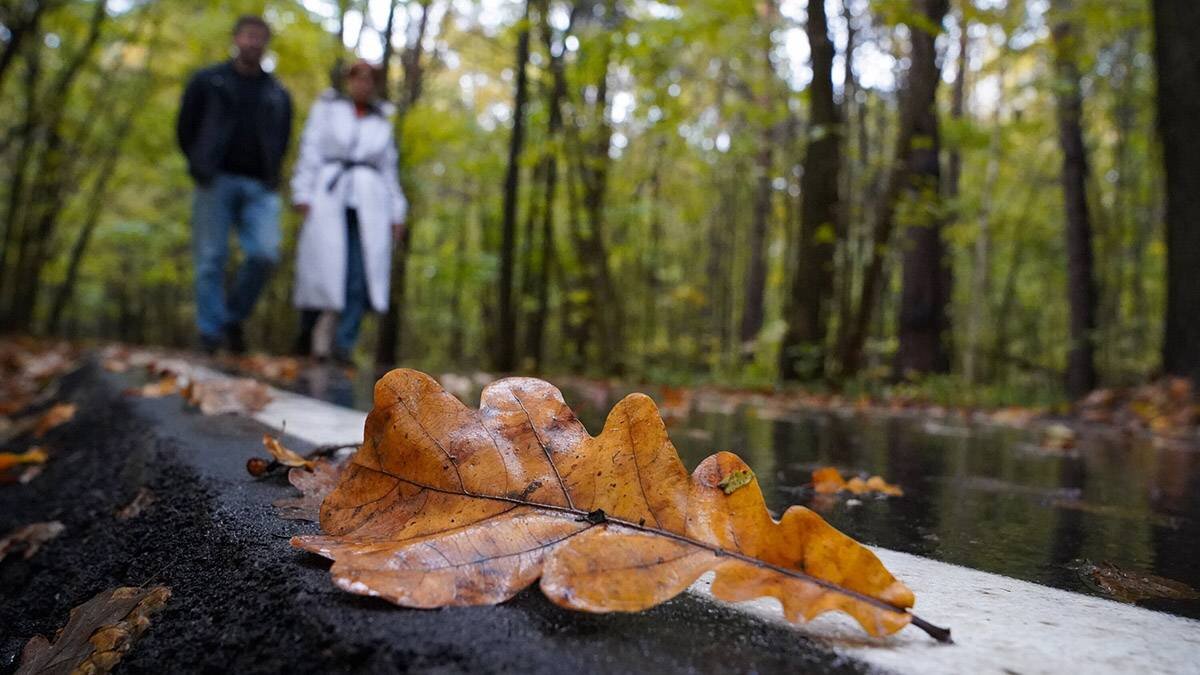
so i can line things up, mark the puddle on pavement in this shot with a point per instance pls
(980, 496)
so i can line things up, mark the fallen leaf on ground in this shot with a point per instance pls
(98, 633)
(446, 505)
(164, 386)
(59, 414)
(29, 539)
(34, 455)
(134, 508)
(10, 429)
(314, 485)
(278, 368)
(1014, 416)
(1058, 437)
(1131, 586)
(114, 365)
(219, 396)
(284, 455)
(828, 480)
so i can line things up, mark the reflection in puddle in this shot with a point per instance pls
(977, 496)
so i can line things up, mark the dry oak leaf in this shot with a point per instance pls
(166, 385)
(59, 414)
(828, 480)
(29, 539)
(446, 505)
(1133, 586)
(98, 633)
(284, 455)
(34, 455)
(314, 485)
(140, 502)
(219, 396)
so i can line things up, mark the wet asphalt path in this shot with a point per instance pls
(245, 601)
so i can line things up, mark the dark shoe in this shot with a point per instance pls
(235, 339)
(209, 344)
(303, 345)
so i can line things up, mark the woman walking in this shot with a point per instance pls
(346, 185)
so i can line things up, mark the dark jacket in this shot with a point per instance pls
(207, 116)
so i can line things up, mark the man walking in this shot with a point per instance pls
(234, 125)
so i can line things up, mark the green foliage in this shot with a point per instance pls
(693, 90)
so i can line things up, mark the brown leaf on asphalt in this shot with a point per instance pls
(61, 413)
(29, 539)
(1132, 586)
(34, 455)
(277, 368)
(10, 428)
(284, 455)
(98, 634)
(828, 480)
(26, 366)
(167, 385)
(314, 485)
(114, 365)
(446, 505)
(134, 508)
(26, 476)
(219, 396)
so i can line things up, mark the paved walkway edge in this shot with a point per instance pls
(1000, 624)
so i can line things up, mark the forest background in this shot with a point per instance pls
(971, 198)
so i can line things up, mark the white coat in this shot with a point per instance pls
(335, 133)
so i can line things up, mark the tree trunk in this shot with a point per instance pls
(756, 266)
(591, 164)
(925, 290)
(95, 202)
(20, 27)
(389, 31)
(802, 354)
(1081, 284)
(914, 165)
(1177, 54)
(387, 349)
(534, 337)
(852, 197)
(14, 233)
(958, 101)
(506, 353)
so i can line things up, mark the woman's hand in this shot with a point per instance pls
(302, 209)
(397, 232)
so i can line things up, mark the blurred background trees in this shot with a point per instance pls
(972, 192)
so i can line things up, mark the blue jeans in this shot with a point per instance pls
(253, 209)
(358, 299)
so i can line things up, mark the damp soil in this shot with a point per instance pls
(243, 600)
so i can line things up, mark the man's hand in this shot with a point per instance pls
(302, 209)
(397, 232)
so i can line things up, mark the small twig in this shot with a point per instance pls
(262, 468)
(154, 576)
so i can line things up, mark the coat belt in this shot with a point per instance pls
(345, 165)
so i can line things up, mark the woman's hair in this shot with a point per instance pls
(359, 66)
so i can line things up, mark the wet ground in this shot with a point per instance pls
(982, 496)
(244, 601)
